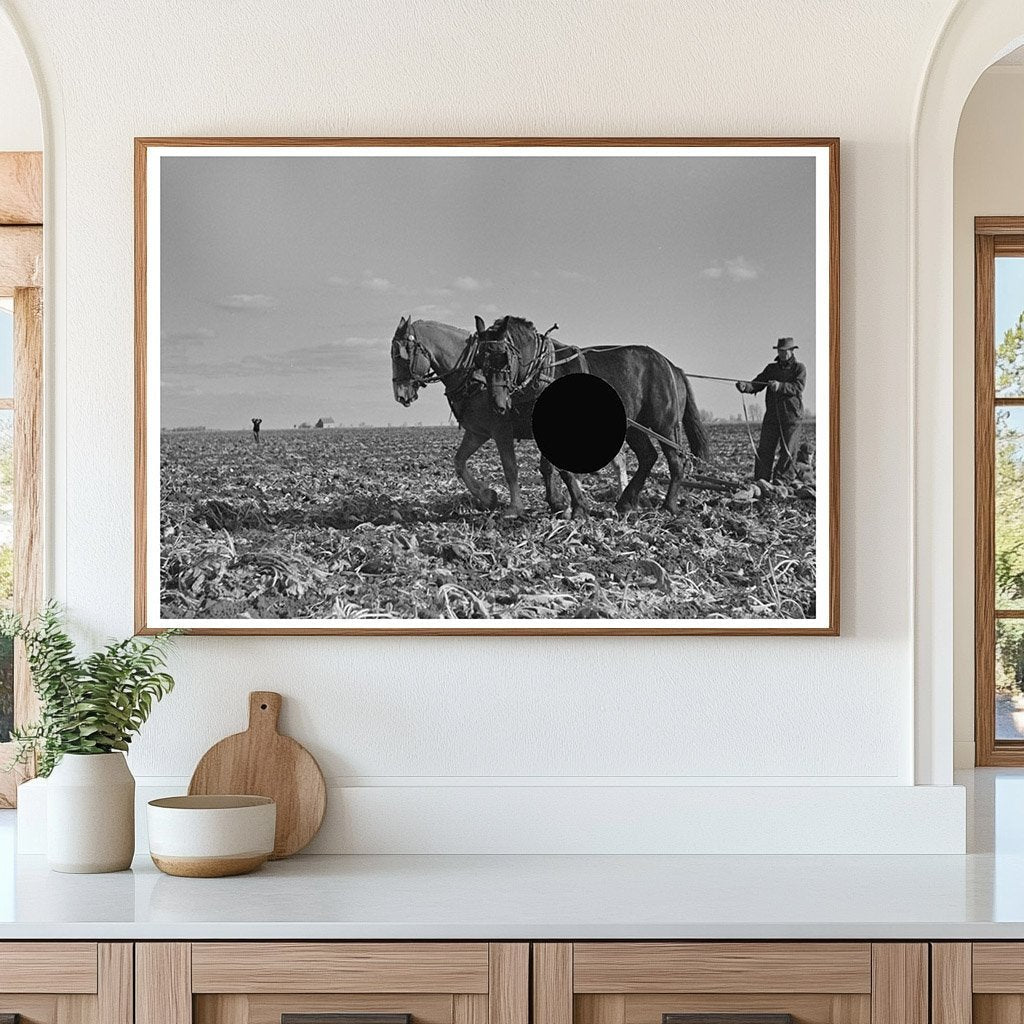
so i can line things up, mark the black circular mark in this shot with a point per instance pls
(263, 707)
(579, 423)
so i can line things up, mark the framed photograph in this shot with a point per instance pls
(497, 386)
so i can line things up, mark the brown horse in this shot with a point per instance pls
(424, 352)
(655, 394)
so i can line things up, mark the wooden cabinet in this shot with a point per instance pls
(978, 983)
(66, 982)
(264, 982)
(754, 982)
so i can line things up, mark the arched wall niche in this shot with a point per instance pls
(976, 33)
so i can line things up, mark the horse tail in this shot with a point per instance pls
(693, 425)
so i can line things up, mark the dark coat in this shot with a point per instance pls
(785, 405)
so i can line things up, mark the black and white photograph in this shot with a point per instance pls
(470, 386)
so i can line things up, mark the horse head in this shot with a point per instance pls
(498, 359)
(410, 363)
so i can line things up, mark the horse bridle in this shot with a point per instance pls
(413, 350)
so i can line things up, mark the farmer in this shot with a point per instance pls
(785, 379)
(256, 429)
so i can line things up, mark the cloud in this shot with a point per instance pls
(440, 293)
(339, 281)
(571, 275)
(739, 268)
(192, 334)
(377, 284)
(490, 307)
(248, 302)
(470, 284)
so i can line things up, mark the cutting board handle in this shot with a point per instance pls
(264, 710)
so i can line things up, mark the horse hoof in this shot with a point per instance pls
(515, 513)
(580, 512)
(489, 499)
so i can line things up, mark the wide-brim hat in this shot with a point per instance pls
(785, 344)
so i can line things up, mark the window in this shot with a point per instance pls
(999, 490)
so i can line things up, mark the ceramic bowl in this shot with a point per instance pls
(211, 836)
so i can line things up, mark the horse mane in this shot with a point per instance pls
(520, 329)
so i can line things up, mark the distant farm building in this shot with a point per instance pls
(326, 422)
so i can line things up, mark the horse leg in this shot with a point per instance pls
(580, 508)
(471, 442)
(507, 453)
(551, 490)
(621, 473)
(646, 457)
(675, 484)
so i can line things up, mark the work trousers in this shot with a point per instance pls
(777, 434)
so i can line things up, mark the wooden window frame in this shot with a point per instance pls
(21, 278)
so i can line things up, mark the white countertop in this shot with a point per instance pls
(496, 897)
(977, 896)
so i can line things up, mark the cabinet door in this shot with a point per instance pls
(980, 982)
(65, 983)
(730, 983)
(332, 983)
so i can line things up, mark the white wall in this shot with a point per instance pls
(464, 712)
(21, 127)
(987, 181)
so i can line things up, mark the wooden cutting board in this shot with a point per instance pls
(262, 762)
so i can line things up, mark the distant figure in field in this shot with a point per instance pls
(256, 429)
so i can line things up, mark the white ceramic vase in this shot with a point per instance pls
(90, 814)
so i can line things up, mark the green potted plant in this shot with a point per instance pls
(90, 708)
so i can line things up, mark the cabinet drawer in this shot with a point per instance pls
(66, 982)
(340, 967)
(332, 983)
(730, 983)
(68, 967)
(634, 967)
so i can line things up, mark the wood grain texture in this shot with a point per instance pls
(225, 1009)
(346, 1018)
(304, 967)
(552, 983)
(21, 258)
(994, 236)
(65, 967)
(262, 762)
(468, 1008)
(141, 362)
(633, 967)
(28, 483)
(998, 1009)
(899, 993)
(999, 226)
(115, 995)
(21, 188)
(603, 1009)
(31, 1009)
(727, 1018)
(805, 1008)
(269, 1009)
(163, 983)
(508, 993)
(951, 983)
(144, 144)
(998, 967)
(984, 502)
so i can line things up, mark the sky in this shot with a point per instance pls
(1009, 297)
(283, 278)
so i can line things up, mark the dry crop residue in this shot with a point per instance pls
(372, 523)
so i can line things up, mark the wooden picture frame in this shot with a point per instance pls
(822, 620)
